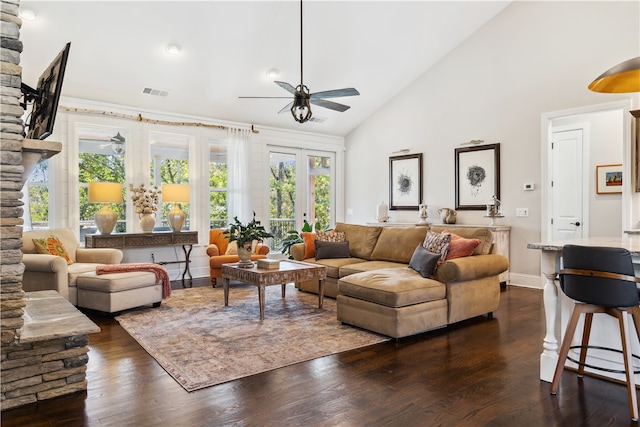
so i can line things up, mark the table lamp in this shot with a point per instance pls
(105, 192)
(176, 194)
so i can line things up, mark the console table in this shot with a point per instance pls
(145, 240)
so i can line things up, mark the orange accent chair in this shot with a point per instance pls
(216, 250)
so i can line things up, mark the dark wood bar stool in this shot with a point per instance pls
(600, 280)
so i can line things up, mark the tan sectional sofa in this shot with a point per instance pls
(376, 290)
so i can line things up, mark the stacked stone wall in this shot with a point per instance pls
(42, 369)
(12, 300)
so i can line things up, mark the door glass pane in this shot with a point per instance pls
(320, 191)
(282, 188)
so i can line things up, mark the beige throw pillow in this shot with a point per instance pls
(232, 248)
(330, 236)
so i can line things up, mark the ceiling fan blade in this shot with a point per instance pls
(336, 93)
(286, 108)
(330, 105)
(286, 86)
(264, 97)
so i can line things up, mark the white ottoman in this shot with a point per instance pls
(111, 293)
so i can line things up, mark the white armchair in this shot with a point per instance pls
(52, 272)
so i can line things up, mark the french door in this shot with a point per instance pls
(301, 187)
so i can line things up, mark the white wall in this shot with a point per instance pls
(532, 58)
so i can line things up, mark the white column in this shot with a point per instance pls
(549, 356)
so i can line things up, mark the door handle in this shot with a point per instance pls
(577, 223)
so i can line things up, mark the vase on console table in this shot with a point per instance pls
(147, 222)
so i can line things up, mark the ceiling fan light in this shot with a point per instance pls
(622, 78)
(301, 113)
(301, 107)
(117, 144)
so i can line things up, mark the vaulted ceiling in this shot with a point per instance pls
(227, 47)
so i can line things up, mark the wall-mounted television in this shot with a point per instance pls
(45, 97)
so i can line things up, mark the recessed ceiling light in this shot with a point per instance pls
(273, 73)
(173, 49)
(28, 14)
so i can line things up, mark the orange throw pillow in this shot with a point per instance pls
(461, 247)
(52, 246)
(309, 244)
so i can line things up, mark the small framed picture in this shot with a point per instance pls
(609, 179)
(405, 182)
(477, 176)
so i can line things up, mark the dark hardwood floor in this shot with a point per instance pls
(482, 372)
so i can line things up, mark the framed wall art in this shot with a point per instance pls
(477, 176)
(609, 179)
(405, 182)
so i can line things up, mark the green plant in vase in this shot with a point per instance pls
(244, 235)
(294, 237)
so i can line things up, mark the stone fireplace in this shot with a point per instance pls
(43, 338)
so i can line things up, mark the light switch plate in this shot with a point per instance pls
(522, 212)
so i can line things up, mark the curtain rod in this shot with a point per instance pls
(139, 118)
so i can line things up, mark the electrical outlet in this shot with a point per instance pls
(153, 257)
(522, 212)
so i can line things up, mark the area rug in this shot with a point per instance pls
(201, 343)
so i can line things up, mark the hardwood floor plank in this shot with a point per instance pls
(481, 372)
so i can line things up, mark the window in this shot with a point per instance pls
(101, 158)
(37, 209)
(218, 206)
(169, 165)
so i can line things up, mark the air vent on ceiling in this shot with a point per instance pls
(156, 92)
(317, 119)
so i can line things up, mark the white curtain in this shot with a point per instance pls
(238, 181)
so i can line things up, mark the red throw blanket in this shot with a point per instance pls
(160, 272)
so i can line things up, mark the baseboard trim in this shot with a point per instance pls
(526, 281)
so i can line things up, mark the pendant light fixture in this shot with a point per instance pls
(622, 78)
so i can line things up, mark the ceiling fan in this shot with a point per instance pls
(302, 98)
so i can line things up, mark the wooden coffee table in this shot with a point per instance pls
(289, 271)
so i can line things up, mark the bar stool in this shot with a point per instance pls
(600, 280)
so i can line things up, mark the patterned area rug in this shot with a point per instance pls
(201, 343)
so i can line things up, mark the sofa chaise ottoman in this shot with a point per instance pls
(376, 290)
(396, 302)
(115, 292)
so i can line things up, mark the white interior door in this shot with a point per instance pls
(567, 184)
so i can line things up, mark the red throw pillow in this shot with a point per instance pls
(461, 247)
(309, 244)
